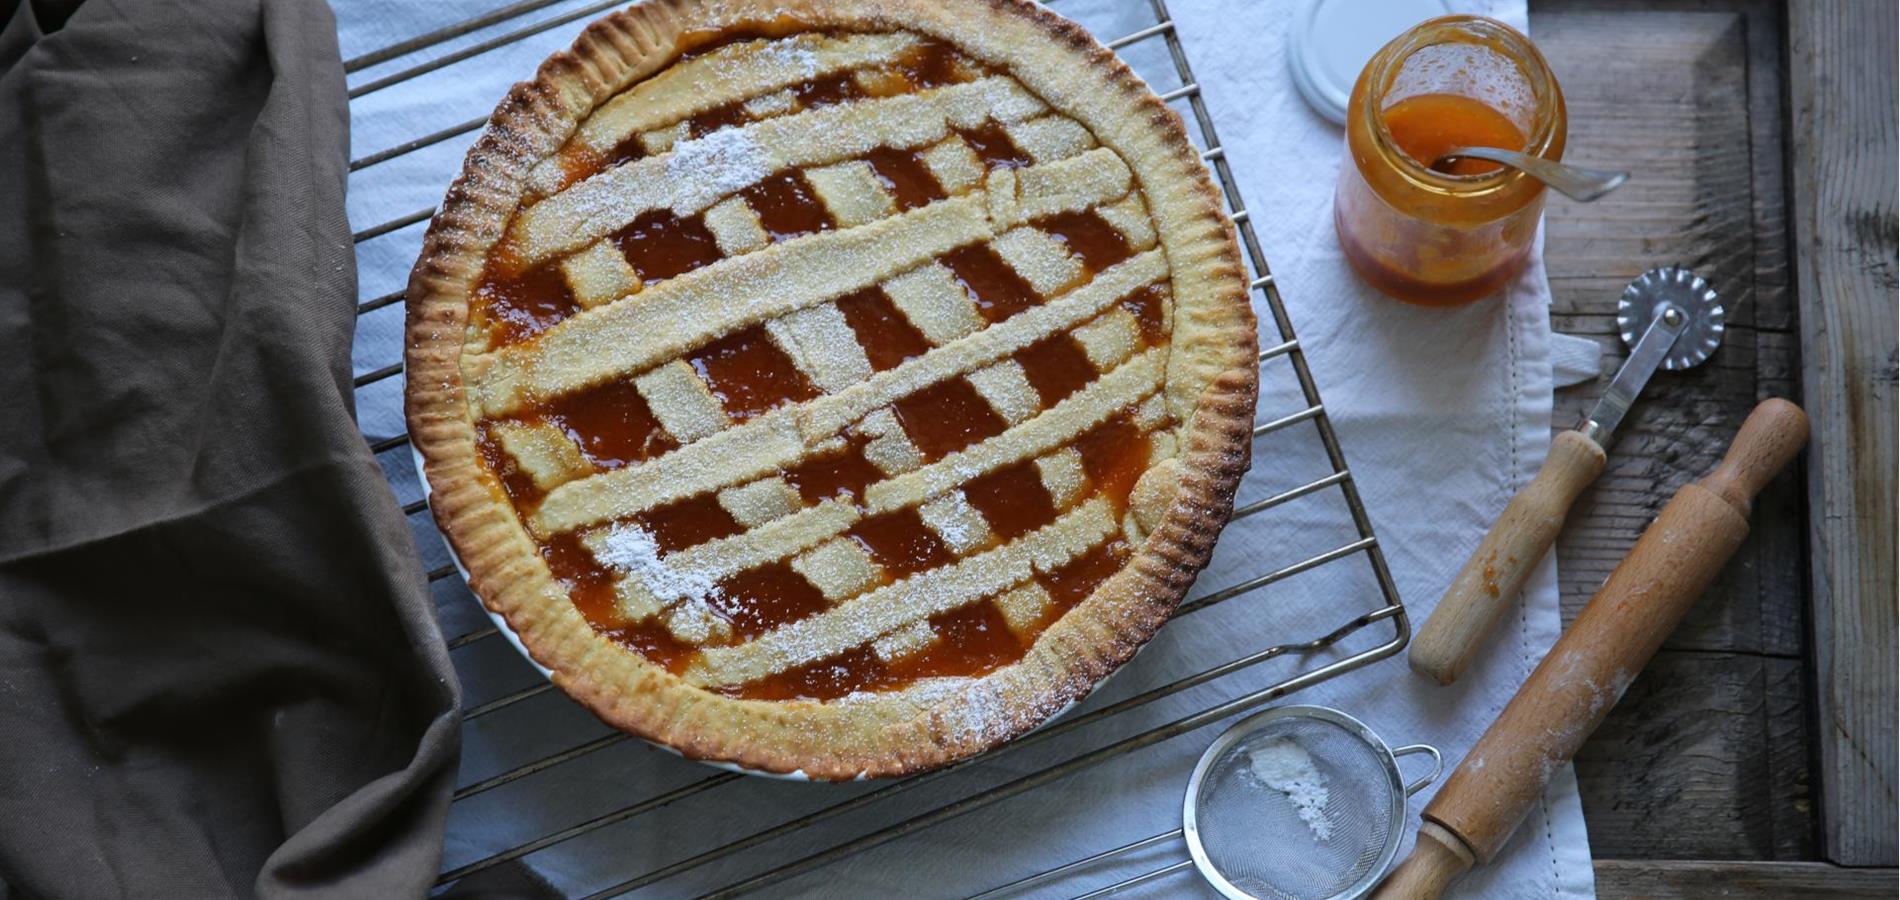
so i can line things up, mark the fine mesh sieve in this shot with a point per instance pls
(1298, 802)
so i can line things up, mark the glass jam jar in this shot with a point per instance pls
(1450, 235)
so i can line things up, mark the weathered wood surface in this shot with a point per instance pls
(1841, 135)
(1706, 757)
(1670, 879)
(1690, 766)
(1676, 104)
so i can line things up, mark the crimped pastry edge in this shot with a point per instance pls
(1211, 387)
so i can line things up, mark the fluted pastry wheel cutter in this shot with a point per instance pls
(1670, 319)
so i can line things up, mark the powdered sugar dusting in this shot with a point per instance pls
(794, 53)
(631, 549)
(952, 517)
(968, 710)
(717, 164)
(1285, 766)
(955, 531)
(981, 715)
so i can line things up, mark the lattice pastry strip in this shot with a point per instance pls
(1049, 138)
(776, 103)
(881, 611)
(758, 502)
(662, 140)
(681, 401)
(735, 227)
(694, 174)
(694, 622)
(748, 72)
(890, 447)
(1068, 185)
(1063, 476)
(1008, 391)
(658, 586)
(1129, 216)
(823, 346)
(769, 543)
(959, 524)
(1109, 338)
(778, 439)
(638, 606)
(906, 641)
(1152, 413)
(931, 299)
(1024, 607)
(1042, 261)
(851, 192)
(840, 569)
(652, 584)
(543, 452)
(879, 81)
(599, 275)
(954, 165)
(733, 74)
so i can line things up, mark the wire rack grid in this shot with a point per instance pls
(961, 788)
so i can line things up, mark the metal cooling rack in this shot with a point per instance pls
(963, 781)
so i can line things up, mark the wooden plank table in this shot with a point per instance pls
(1739, 118)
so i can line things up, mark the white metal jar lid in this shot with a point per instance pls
(1329, 42)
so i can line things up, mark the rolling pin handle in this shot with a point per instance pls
(1437, 857)
(1768, 441)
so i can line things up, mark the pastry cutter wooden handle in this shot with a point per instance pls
(1587, 670)
(1672, 320)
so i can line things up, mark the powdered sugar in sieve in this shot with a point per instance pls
(1297, 802)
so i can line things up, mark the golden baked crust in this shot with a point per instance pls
(518, 191)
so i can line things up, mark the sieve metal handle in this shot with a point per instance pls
(1438, 765)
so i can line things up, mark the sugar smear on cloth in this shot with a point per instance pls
(1286, 767)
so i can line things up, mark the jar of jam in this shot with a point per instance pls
(1450, 234)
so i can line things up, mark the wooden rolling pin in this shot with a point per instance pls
(1587, 670)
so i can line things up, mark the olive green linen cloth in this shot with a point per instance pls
(219, 670)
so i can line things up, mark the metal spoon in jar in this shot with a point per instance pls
(1580, 184)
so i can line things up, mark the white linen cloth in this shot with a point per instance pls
(1442, 416)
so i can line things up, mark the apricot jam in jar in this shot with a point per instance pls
(1448, 235)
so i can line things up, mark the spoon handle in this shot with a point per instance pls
(1579, 184)
(1575, 182)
